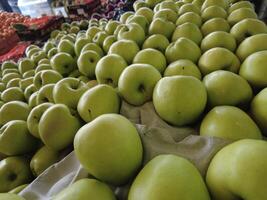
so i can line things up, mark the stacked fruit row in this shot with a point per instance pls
(201, 63)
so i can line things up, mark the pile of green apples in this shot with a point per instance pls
(202, 63)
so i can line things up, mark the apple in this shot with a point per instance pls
(188, 30)
(90, 33)
(52, 52)
(9, 65)
(47, 46)
(146, 12)
(152, 57)
(63, 63)
(18, 189)
(42, 67)
(167, 14)
(139, 4)
(183, 67)
(8, 71)
(246, 28)
(215, 24)
(252, 45)
(218, 59)
(125, 16)
(86, 189)
(168, 177)
(36, 57)
(161, 26)
(95, 154)
(54, 33)
(68, 91)
(83, 24)
(240, 4)
(15, 139)
(34, 118)
(8, 196)
(7, 77)
(227, 88)
(189, 17)
(29, 91)
(24, 83)
(74, 29)
(65, 26)
(45, 77)
(188, 7)
(14, 171)
(219, 39)
(247, 157)
(45, 94)
(107, 75)
(33, 100)
(100, 37)
(140, 20)
(25, 65)
(225, 122)
(169, 5)
(253, 69)
(182, 48)
(119, 27)
(93, 47)
(111, 26)
(213, 12)
(222, 3)
(32, 46)
(44, 61)
(152, 3)
(42, 159)
(240, 14)
(153, 42)
(13, 83)
(68, 37)
(2, 87)
(12, 94)
(66, 46)
(30, 53)
(108, 42)
(80, 43)
(58, 126)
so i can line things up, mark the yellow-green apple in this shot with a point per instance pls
(47, 46)
(137, 82)
(152, 3)
(152, 57)
(105, 74)
(100, 158)
(100, 37)
(42, 67)
(25, 65)
(189, 17)
(146, 12)
(12, 94)
(24, 83)
(68, 37)
(222, 3)
(45, 77)
(80, 43)
(92, 31)
(14, 171)
(139, 4)
(7, 77)
(253, 69)
(54, 33)
(9, 65)
(68, 91)
(12, 70)
(240, 14)
(225, 122)
(179, 100)
(86, 189)
(58, 126)
(18, 189)
(182, 48)
(45, 94)
(168, 177)
(74, 29)
(52, 52)
(42, 159)
(65, 26)
(188, 30)
(125, 48)
(13, 83)
(227, 88)
(218, 58)
(215, 24)
(167, 14)
(240, 4)
(140, 20)
(111, 26)
(34, 118)
(32, 46)
(33, 100)
(108, 42)
(117, 30)
(183, 67)
(63, 63)
(29, 91)
(2, 87)
(125, 16)
(36, 57)
(188, 7)
(244, 160)
(32, 51)
(179, 4)
(198, 3)
(97, 101)
(8, 196)
(246, 28)
(218, 39)
(84, 24)
(93, 47)
(66, 46)
(213, 12)
(153, 42)
(161, 26)
(168, 4)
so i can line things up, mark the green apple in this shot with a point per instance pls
(146, 12)
(36, 57)
(12, 94)
(8, 196)
(15, 139)
(183, 67)
(125, 16)
(168, 177)
(125, 48)
(156, 41)
(80, 43)
(213, 12)
(63, 63)
(227, 88)
(167, 14)
(32, 46)
(222, 3)
(95, 154)
(99, 100)
(68, 91)
(218, 39)
(25, 65)
(18, 189)
(66, 46)
(14, 110)
(100, 37)
(189, 17)
(47, 46)
(139, 4)
(74, 29)
(244, 159)
(188, 30)
(42, 159)
(54, 33)
(218, 59)
(2, 87)
(119, 27)
(7, 77)
(45, 94)
(13, 83)
(152, 3)
(240, 4)
(45, 77)
(33, 100)
(9, 65)
(140, 20)
(246, 28)
(87, 63)
(14, 171)
(225, 122)
(90, 33)
(44, 61)
(29, 91)
(93, 47)
(108, 42)
(111, 26)
(65, 26)
(83, 24)
(253, 69)
(58, 126)
(169, 5)
(42, 67)
(34, 118)
(69, 38)
(52, 52)
(86, 189)
(107, 75)
(240, 14)
(188, 7)
(161, 26)
(198, 3)
(132, 32)
(182, 48)
(8, 71)
(215, 24)
(24, 83)
(252, 45)
(32, 51)
(152, 57)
